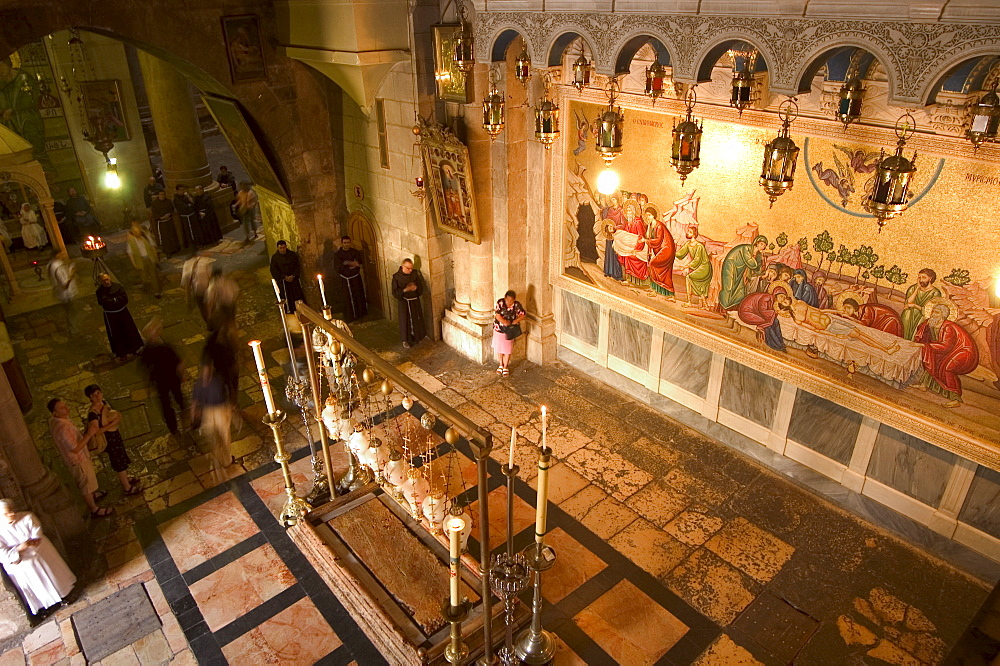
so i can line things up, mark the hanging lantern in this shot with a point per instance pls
(493, 108)
(742, 90)
(852, 97)
(780, 156)
(465, 55)
(888, 192)
(655, 74)
(610, 125)
(985, 119)
(546, 117)
(581, 72)
(522, 68)
(685, 151)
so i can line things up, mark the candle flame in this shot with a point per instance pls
(254, 343)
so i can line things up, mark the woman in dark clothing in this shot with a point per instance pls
(207, 228)
(105, 415)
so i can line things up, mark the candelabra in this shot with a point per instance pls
(295, 507)
(297, 392)
(535, 645)
(509, 574)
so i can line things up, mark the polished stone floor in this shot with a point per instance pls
(672, 547)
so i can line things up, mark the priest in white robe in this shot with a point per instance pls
(31, 561)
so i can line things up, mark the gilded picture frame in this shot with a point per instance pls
(449, 182)
(102, 105)
(234, 127)
(449, 78)
(241, 37)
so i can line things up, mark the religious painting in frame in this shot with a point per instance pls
(102, 104)
(446, 165)
(449, 77)
(234, 127)
(241, 36)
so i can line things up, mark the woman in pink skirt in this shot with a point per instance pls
(509, 312)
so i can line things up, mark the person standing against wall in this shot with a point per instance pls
(407, 288)
(347, 262)
(507, 317)
(246, 208)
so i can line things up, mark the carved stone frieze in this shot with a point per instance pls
(915, 55)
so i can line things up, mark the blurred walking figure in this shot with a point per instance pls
(165, 370)
(246, 208)
(220, 300)
(212, 410)
(123, 335)
(34, 565)
(143, 255)
(62, 275)
(195, 276)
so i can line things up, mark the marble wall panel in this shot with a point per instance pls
(685, 365)
(629, 340)
(749, 393)
(824, 426)
(982, 505)
(910, 465)
(580, 318)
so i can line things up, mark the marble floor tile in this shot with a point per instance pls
(296, 635)
(694, 527)
(241, 586)
(757, 553)
(608, 517)
(581, 566)
(629, 626)
(619, 477)
(564, 656)
(207, 530)
(271, 487)
(712, 586)
(582, 502)
(524, 516)
(454, 472)
(649, 547)
(658, 503)
(725, 651)
(564, 482)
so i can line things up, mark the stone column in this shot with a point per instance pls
(179, 133)
(20, 462)
(460, 257)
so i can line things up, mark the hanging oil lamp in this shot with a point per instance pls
(464, 53)
(610, 125)
(685, 151)
(493, 107)
(742, 90)
(985, 119)
(780, 156)
(655, 75)
(522, 68)
(581, 72)
(888, 192)
(546, 117)
(852, 97)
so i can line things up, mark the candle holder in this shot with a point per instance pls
(295, 507)
(456, 652)
(297, 392)
(535, 645)
(508, 577)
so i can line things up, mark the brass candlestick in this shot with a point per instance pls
(296, 390)
(295, 507)
(456, 651)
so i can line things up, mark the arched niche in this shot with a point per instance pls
(498, 51)
(623, 61)
(967, 77)
(717, 52)
(839, 64)
(569, 44)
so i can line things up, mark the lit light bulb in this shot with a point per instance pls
(607, 182)
(111, 180)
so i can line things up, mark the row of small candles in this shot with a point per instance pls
(93, 243)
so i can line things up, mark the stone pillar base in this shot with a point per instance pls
(542, 341)
(471, 340)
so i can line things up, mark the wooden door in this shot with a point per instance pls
(363, 237)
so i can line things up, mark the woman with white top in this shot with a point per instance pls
(32, 233)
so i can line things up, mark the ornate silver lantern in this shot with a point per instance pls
(985, 119)
(685, 150)
(610, 125)
(546, 117)
(780, 156)
(852, 97)
(493, 107)
(888, 192)
(465, 43)
(655, 75)
(581, 72)
(522, 67)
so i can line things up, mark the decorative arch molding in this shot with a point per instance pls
(706, 59)
(21, 173)
(935, 76)
(487, 44)
(557, 46)
(625, 49)
(808, 65)
(502, 42)
(914, 55)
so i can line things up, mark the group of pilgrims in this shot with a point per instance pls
(183, 221)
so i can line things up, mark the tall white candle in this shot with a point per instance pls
(322, 289)
(265, 384)
(455, 527)
(545, 424)
(513, 441)
(542, 498)
(277, 292)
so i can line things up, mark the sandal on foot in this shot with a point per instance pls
(506, 372)
(132, 480)
(499, 369)
(99, 495)
(135, 489)
(102, 512)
